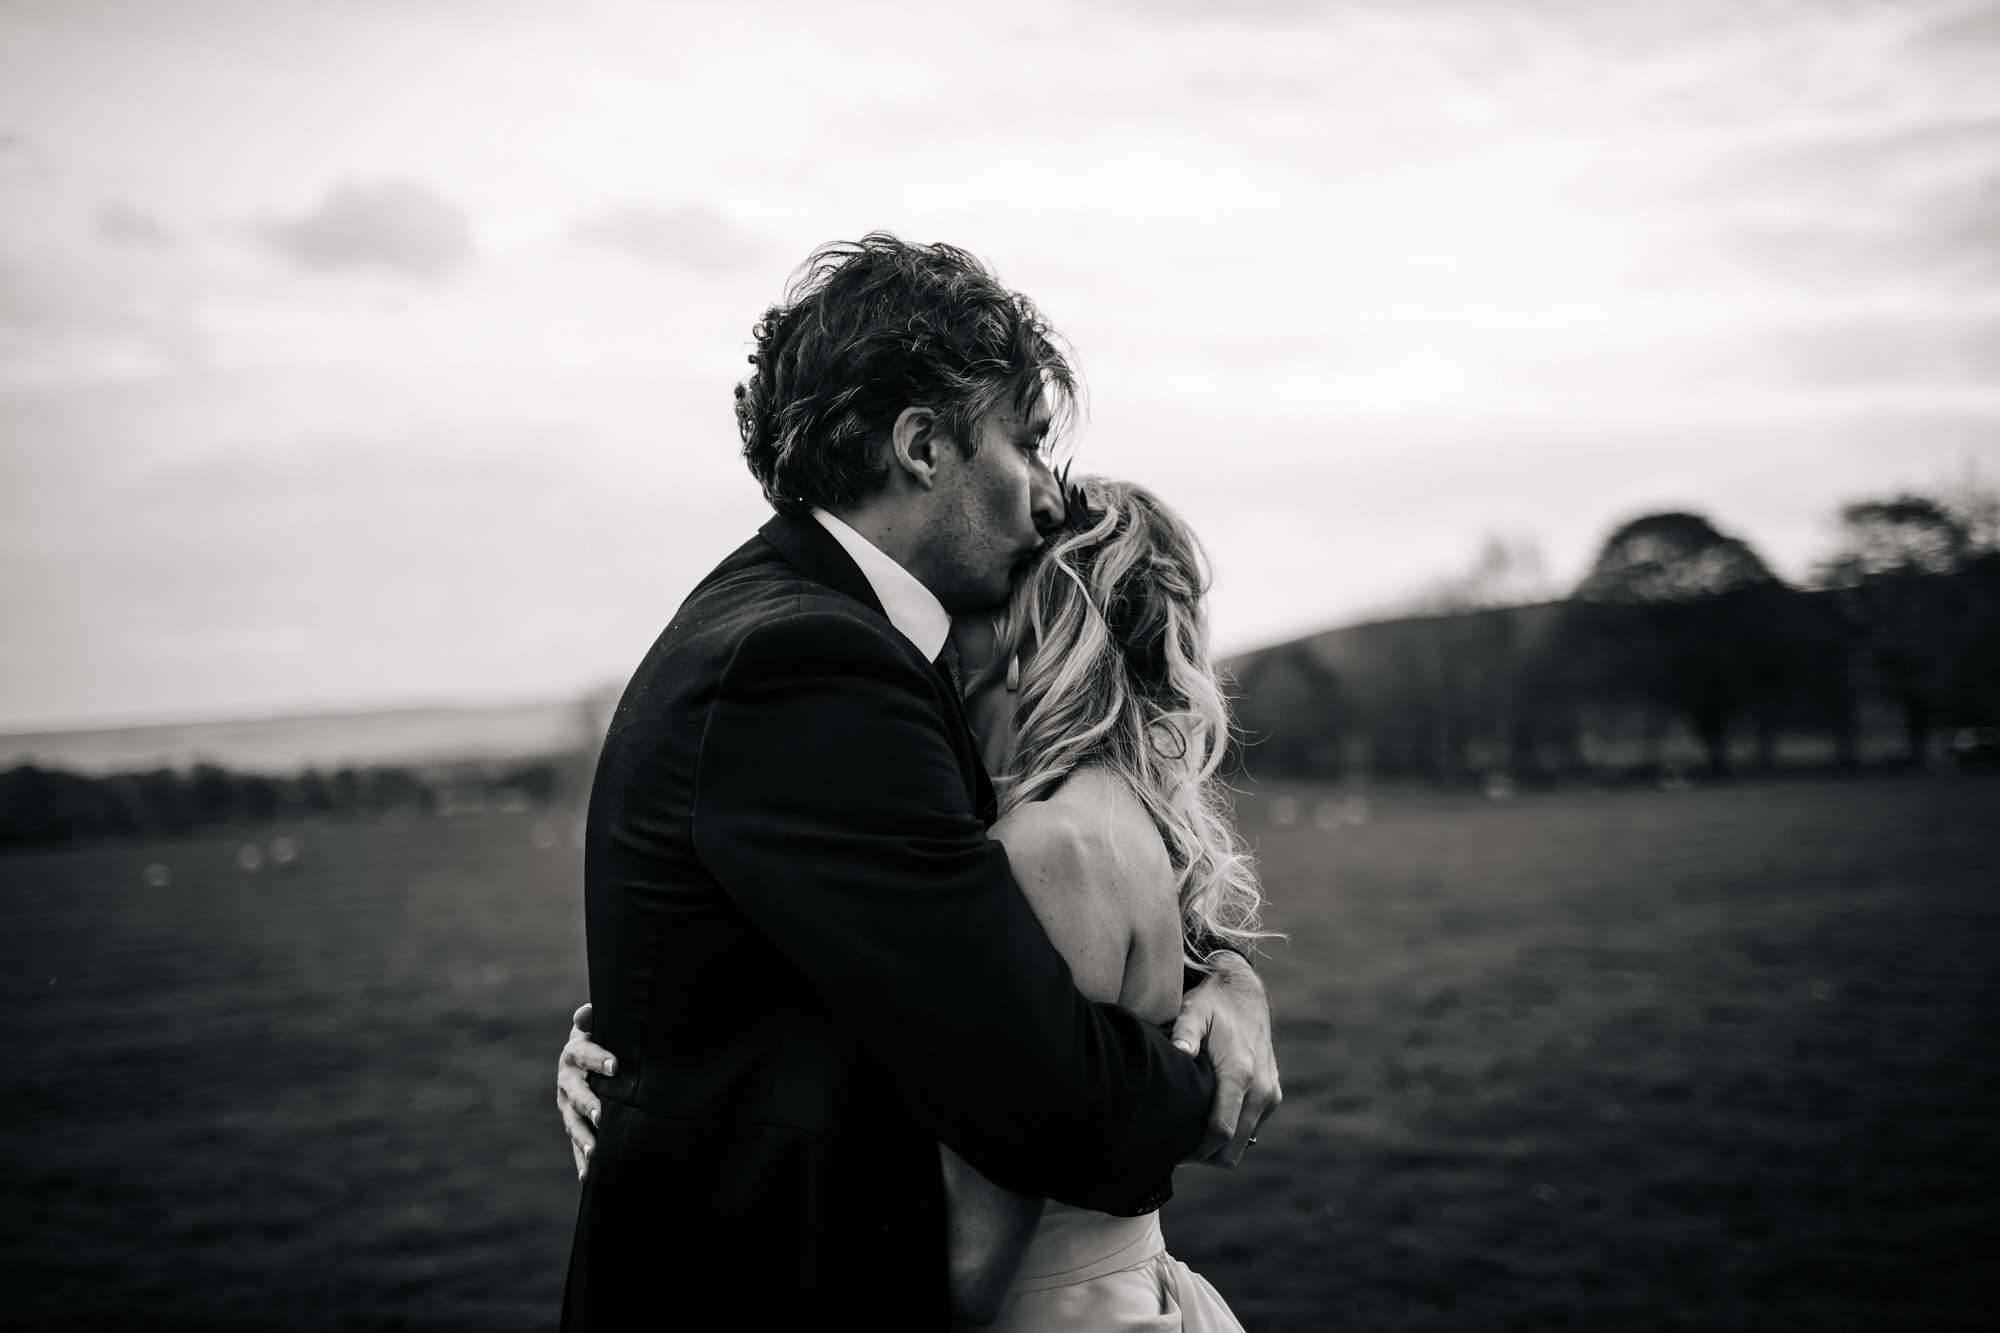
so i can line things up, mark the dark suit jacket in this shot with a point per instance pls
(813, 965)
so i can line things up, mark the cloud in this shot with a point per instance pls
(1848, 205)
(1968, 32)
(691, 236)
(398, 227)
(1920, 348)
(21, 159)
(63, 322)
(1938, 235)
(121, 224)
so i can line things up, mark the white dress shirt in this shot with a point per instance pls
(911, 607)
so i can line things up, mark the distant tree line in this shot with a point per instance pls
(46, 807)
(1679, 632)
(1679, 635)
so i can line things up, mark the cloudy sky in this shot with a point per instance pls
(381, 351)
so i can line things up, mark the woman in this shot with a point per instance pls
(1098, 712)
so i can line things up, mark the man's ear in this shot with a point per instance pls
(914, 442)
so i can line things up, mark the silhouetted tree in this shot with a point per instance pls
(1677, 615)
(1894, 575)
(167, 800)
(1664, 559)
(29, 805)
(540, 782)
(1975, 693)
(314, 795)
(1460, 681)
(41, 806)
(1292, 714)
(1505, 572)
(213, 794)
(344, 789)
(262, 798)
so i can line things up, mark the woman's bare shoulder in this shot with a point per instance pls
(1090, 869)
(1093, 827)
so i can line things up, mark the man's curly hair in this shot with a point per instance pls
(868, 328)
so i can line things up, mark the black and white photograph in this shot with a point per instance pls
(1092, 665)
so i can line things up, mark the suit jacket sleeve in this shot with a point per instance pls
(1202, 943)
(831, 807)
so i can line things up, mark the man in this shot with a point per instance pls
(811, 961)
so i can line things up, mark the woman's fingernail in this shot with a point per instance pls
(610, 1066)
(1183, 1048)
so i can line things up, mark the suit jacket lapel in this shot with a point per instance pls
(813, 552)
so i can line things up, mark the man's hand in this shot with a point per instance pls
(578, 1104)
(1231, 1014)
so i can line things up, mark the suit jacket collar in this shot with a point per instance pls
(814, 552)
(910, 606)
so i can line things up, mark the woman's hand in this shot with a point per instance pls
(578, 1104)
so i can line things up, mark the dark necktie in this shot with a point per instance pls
(947, 665)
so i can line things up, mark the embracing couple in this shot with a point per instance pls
(917, 928)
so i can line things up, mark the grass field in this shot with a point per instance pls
(1708, 1059)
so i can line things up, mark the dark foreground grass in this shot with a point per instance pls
(1710, 1059)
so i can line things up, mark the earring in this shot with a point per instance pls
(1014, 674)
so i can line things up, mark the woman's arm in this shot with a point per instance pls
(987, 1234)
(1065, 871)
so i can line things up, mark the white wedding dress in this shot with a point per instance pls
(1088, 1270)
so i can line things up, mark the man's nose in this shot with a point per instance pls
(1046, 497)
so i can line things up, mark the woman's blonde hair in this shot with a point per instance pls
(1111, 638)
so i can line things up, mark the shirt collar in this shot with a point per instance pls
(912, 608)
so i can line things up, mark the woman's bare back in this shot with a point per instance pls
(1096, 871)
(1097, 874)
